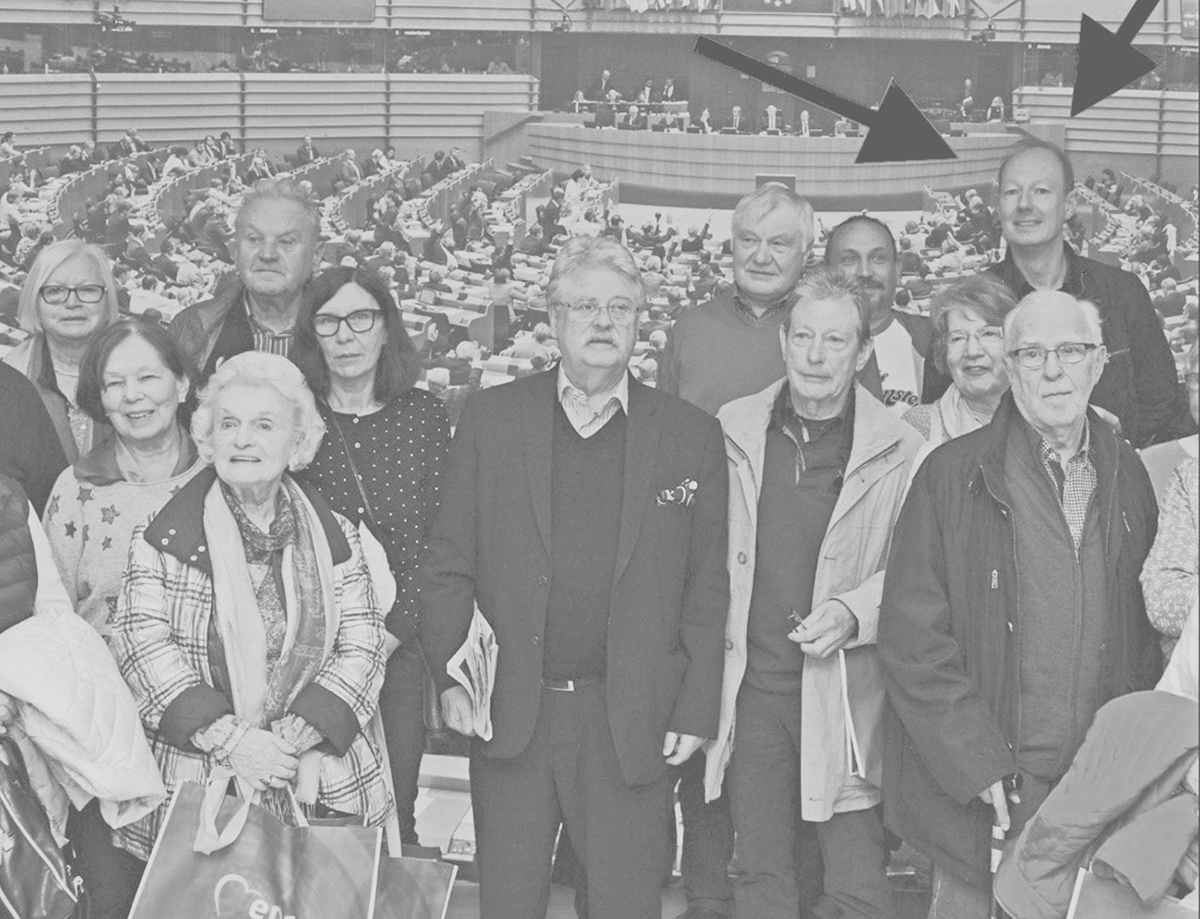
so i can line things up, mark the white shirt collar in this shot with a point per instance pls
(596, 403)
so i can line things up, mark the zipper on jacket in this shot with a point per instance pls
(1014, 664)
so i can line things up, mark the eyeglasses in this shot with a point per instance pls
(989, 335)
(618, 310)
(1034, 357)
(56, 294)
(326, 324)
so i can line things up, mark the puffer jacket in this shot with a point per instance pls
(18, 565)
(850, 569)
(80, 719)
(949, 632)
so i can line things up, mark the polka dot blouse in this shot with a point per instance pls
(400, 452)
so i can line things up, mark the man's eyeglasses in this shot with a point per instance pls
(56, 294)
(326, 324)
(1034, 357)
(989, 335)
(618, 310)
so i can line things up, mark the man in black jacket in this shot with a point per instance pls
(1011, 607)
(1139, 391)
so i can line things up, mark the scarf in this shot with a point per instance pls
(277, 637)
(951, 417)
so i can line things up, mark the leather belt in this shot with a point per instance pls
(560, 685)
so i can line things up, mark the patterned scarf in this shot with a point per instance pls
(277, 653)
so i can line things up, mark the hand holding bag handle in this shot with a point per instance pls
(208, 838)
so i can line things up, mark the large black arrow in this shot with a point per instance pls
(1107, 62)
(897, 131)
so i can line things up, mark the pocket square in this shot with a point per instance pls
(682, 495)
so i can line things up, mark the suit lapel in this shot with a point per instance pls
(538, 425)
(641, 448)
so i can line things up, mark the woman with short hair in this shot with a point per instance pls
(968, 322)
(247, 627)
(134, 377)
(380, 466)
(68, 298)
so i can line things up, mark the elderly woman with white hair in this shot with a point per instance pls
(247, 627)
(67, 300)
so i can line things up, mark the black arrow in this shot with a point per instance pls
(897, 131)
(1107, 62)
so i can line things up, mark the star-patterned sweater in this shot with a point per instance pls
(89, 520)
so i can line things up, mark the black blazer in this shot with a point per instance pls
(670, 594)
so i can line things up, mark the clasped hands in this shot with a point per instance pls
(265, 760)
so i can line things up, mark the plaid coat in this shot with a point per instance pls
(164, 641)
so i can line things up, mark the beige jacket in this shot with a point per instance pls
(833, 777)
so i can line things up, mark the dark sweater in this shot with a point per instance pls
(801, 481)
(585, 520)
(715, 353)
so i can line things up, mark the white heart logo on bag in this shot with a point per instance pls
(253, 903)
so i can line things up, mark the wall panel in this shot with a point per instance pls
(181, 12)
(429, 111)
(54, 109)
(1125, 131)
(338, 110)
(181, 109)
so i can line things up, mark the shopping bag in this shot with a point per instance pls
(35, 880)
(257, 866)
(414, 888)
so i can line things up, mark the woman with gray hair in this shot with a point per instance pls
(968, 322)
(67, 300)
(247, 627)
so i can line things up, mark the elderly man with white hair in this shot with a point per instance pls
(1011, 607)
(585, 514)
(276, 248)
(818, 468)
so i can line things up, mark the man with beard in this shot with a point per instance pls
(862, 249)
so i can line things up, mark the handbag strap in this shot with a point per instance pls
(362, 492)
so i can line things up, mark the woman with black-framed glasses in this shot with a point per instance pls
(380, 465)
(68, 299)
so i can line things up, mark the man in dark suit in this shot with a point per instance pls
(306, 152)
(672, 91)
(585, 514)
(348, 172)
(601, 88)
(606, 113)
